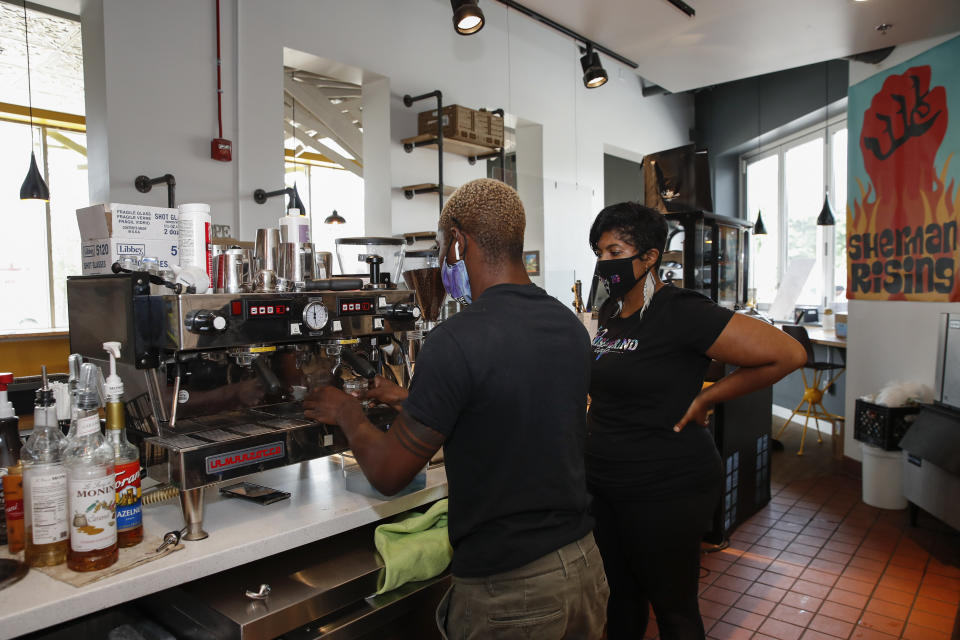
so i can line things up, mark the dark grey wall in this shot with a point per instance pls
(622, 180)
(727, 117)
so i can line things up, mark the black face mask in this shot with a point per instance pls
(617, 275)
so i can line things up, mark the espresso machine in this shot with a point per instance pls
(215, 382)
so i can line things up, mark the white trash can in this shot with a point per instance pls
(883, 478)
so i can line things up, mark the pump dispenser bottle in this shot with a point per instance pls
(91, 483)
(45, 485)
(126, 458)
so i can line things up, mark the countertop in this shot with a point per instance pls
(240, 532)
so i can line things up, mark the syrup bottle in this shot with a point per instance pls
(126, 458)
(91, 483)
(45, 485)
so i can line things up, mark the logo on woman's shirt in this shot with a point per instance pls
(603, 345)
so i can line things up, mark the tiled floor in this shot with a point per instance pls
(819, 564)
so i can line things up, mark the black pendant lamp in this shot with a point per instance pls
(758, 228)
(826, 219)
(33, 187)
(335, 218)
(294, 201)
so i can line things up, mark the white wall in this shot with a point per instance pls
(152, 92)
(889, 340)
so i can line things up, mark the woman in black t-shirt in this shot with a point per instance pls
(652, 468)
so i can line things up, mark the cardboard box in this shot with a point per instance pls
(464, 124)
(110, 231)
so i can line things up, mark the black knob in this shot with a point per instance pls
(400, 311)
(204, 321)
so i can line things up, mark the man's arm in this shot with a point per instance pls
(389, 460)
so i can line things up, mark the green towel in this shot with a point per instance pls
(415, 547)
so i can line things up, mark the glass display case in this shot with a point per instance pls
(705, 252)
(708, 253)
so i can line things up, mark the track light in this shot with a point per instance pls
(594, 75)
(467, 16)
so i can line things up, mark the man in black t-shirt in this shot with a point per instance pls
(502, 386)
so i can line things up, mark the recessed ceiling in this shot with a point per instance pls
(733, 39)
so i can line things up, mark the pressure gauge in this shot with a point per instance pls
(315, 316)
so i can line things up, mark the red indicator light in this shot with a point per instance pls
(236, 308)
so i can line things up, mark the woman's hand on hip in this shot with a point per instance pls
(698, 413)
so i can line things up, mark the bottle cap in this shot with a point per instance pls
(89, 387)
(194, 207)
(113, 387)
(44, 396)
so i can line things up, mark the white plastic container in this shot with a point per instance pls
(195, 249)
(883, 478)
(295, 227)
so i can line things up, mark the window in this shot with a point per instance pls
(785, 182)
(324, 189)
(40, 245)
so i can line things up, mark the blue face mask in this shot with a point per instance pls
(455, 279)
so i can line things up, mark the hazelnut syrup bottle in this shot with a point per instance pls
(126, 458)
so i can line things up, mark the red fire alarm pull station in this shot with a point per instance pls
(220, 148)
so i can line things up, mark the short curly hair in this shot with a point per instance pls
(641, 227)
(491, 212)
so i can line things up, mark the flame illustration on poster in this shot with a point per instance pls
(902, 215)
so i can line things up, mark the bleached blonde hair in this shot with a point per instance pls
(491, 212)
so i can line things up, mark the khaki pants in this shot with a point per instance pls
(560, 595)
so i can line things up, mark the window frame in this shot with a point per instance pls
(44, 120)
(779, 147)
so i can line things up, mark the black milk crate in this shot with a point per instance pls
(882, 426)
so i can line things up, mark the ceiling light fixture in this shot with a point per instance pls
(594, 75)
(467, 16)
(883, 27)
(335, 218)
(33, 187)
(826, 219)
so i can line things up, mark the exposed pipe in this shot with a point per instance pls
(145, 184)
(219, 84)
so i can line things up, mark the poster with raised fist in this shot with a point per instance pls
(903, 181)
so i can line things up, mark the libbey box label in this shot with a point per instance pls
(244, 457)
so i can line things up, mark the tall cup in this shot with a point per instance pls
(231, 269)
(265, 250)
(290, 263)
(323, 267)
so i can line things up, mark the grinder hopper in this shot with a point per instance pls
(428, 287)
